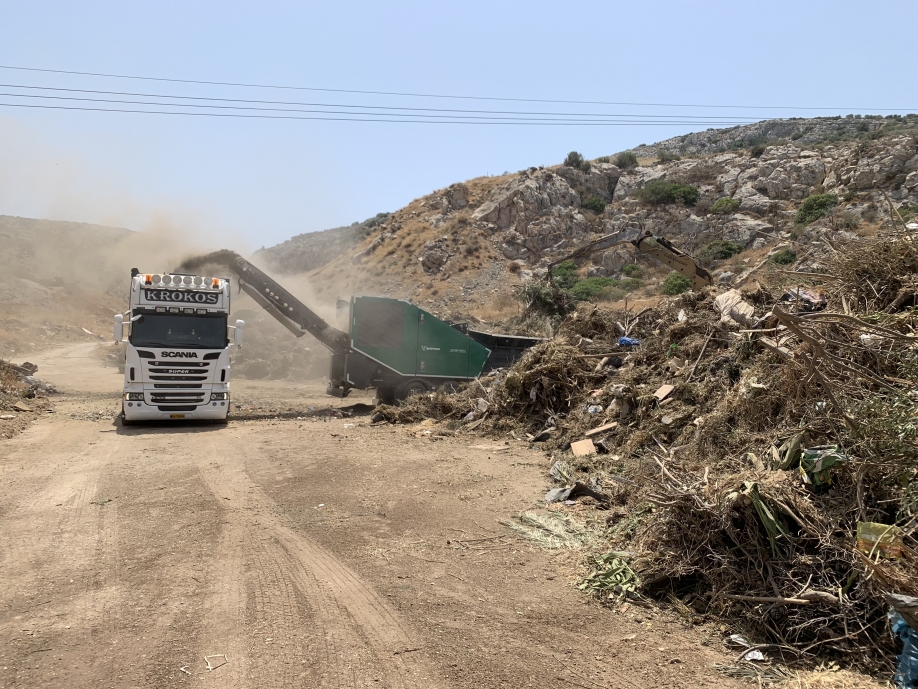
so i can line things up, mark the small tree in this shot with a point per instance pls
(784, 257)
(595, 204)
(626, 159)
(665, 156)
(564, 275)
(632, 270)
(675, 283)
(725, 206)
(815, 207)
(720, 249)
(577, 161)
(658, 192)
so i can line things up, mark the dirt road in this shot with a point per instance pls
(293, 552)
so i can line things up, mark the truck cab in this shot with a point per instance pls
(178, 347)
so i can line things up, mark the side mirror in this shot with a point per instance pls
(118, 333)
(237, 333)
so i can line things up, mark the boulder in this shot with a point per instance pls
(434, 256)
(742, 229)
(752, 201)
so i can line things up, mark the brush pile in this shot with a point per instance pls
(737, 492)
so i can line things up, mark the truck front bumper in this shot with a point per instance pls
(139, 411)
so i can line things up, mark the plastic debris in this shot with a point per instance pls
(906, 675)
(882, 539)
(575, 491)
(805, 301)
(628, 342)
(816, 462)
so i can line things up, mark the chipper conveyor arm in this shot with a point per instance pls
(268, 293)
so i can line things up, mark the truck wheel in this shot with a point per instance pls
(124, 419)
(411, 387)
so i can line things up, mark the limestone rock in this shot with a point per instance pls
(434, 256)
(742, 229)
(752, 201)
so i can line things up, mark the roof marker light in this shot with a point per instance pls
(216, 282)
(188, 310)
(148, 279)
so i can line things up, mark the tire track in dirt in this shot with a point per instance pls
(343, 634)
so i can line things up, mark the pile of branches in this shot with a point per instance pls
(746, 538)
(717, 508)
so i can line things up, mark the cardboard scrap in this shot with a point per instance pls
(601, 429)
(582, 448)
(664, 391)
(19, 406)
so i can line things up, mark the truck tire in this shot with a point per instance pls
(414, 386)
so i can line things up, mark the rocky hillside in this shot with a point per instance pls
(779, 187)
(312, 250)
(57, 282)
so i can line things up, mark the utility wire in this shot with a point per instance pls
(549, 123)
(361, 107)
(436, 95)
(343, 112)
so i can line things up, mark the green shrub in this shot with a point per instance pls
(564, 275)
(604, 288)
(720, 249)
(784, 257)
(595, 204)
(630, 284)
(546, 300)
(603, 159)
(577, 161)
(665, 156)
(725, 206)
(815, 207)
(757, 150)
(591, 288)
(626, 160)
(675, 283)
(632, 270)
(658, 192)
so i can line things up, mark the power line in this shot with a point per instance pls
(435, 95)
(344, 112)
(360, 107)
(573, 123)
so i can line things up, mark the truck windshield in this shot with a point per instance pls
(189, 332)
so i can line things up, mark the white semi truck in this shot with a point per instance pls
(178, 348)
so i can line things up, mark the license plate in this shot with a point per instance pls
(176, 416)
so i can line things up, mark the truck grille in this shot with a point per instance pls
(184, 371)
(177, 397)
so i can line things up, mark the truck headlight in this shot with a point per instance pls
(219, 396)
(134, 396)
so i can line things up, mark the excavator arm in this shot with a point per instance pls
(659, 248)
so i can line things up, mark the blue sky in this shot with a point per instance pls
(263, 181)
